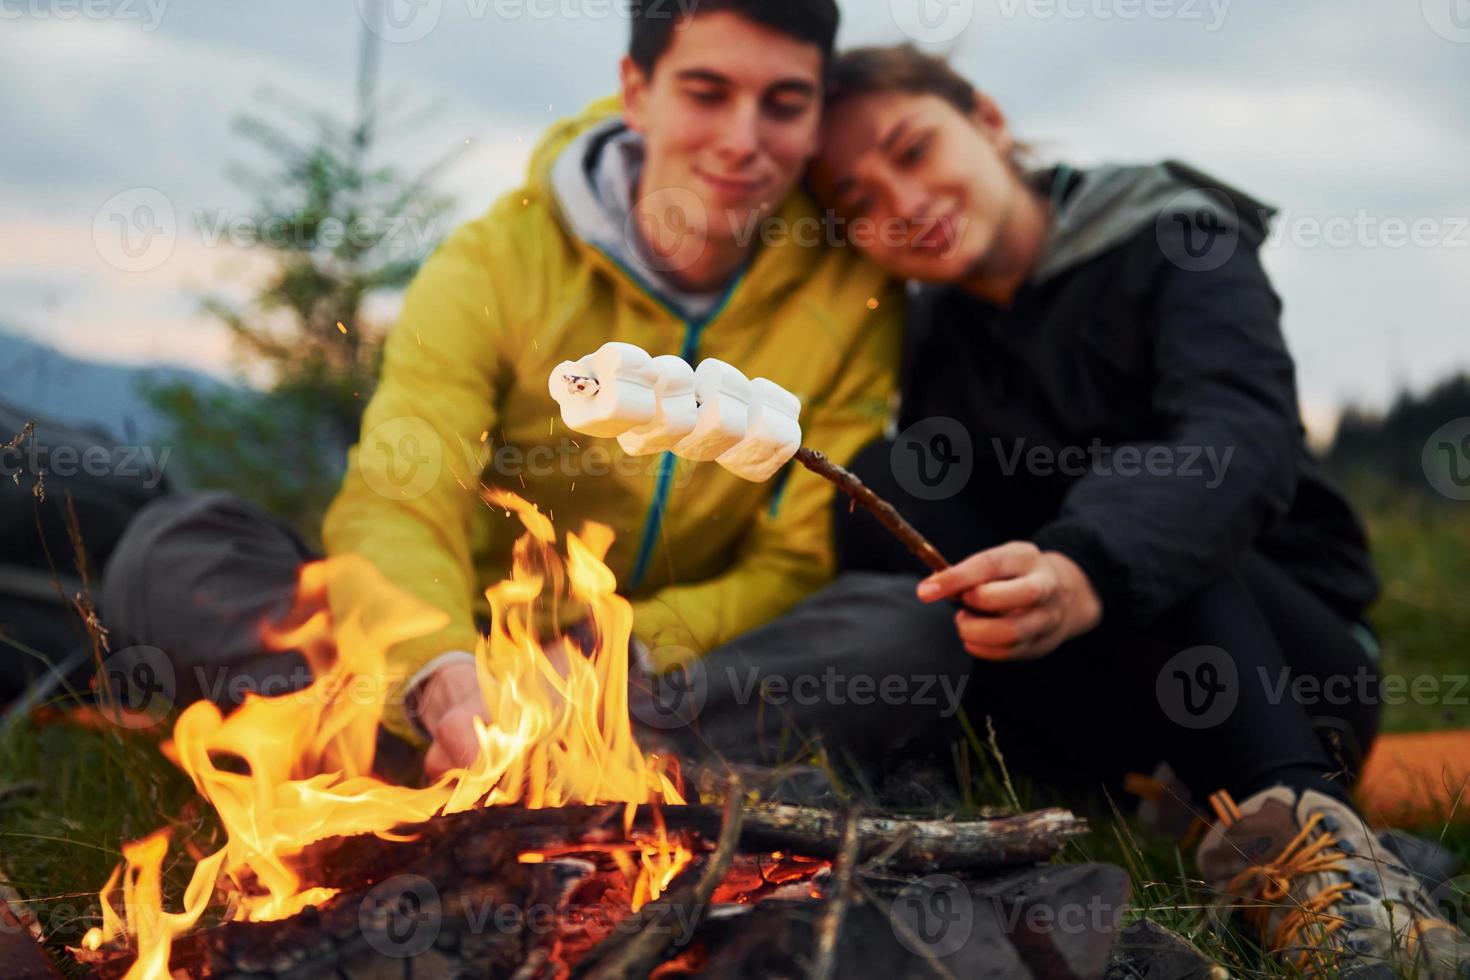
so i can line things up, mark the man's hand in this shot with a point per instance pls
(1032, 601)
(449, 702)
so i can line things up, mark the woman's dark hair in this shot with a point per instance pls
(904, 68)
(654, 23)
(901, 68)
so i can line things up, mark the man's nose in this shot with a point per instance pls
(740, 136)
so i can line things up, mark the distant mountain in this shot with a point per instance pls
(38, 378)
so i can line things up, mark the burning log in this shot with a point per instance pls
(458, 889)
(659, 922)
(896, 843)
(903, 845)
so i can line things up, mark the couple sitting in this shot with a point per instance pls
(1082, 340)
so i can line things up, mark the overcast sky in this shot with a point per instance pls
(1352, 116)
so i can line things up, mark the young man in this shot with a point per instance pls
(671, 220)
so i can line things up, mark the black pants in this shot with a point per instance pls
(1251, 681)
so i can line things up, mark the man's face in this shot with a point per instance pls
(730, 119)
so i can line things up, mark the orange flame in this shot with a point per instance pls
(287, 772)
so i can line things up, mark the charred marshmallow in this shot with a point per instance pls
(607, 392)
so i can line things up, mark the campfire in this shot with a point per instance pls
(564, 850)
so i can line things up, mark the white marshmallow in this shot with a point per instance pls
(677, 412)
(772, 433)
(723, 394)
(607, 392)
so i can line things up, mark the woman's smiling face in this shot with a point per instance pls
(924, 189)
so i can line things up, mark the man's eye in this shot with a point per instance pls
(860, 206)
(707, 96)
(788, 110)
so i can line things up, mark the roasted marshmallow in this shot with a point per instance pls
(772, 433)
(677, 412)
(723, 394)
(607, 392)
(661, 404)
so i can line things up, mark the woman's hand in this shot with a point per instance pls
(1032, 601)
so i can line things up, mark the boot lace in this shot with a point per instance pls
(1271, 881)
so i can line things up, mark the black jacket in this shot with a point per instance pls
(1150, 325)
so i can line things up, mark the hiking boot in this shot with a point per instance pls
(1321, 893)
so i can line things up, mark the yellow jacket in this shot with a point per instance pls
(703, 555)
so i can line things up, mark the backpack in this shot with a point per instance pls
(107, 483)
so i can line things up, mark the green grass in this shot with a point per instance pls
(1422, 549)
(73, 795)
(69, 795)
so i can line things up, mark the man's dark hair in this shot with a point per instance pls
(654, 22)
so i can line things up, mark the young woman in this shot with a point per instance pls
(1100, 428)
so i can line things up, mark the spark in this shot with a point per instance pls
(341, 326)
(872, 302)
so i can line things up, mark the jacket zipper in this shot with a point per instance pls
(663, 486)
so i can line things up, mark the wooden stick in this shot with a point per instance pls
(824, 962)
(848, 483)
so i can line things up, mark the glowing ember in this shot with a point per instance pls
(285, 773)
